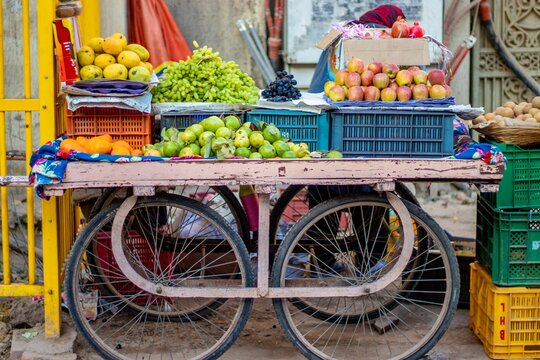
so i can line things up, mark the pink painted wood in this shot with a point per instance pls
(273, 172)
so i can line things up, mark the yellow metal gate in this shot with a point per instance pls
(40, 107)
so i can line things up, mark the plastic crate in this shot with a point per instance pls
(132, 126)
(312, 129)
(508, 244)
(520, 185)
(183, 120)
(506, 320)
(139, 247)
(390, 133)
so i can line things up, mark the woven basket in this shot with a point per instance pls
(517, 135)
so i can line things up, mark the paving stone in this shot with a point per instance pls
(39, 344)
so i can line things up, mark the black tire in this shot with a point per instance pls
(296, 324)
(100, 334)
(237, 211)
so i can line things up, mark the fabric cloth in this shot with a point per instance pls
(384, 15)
(152, 25)
(466, 148)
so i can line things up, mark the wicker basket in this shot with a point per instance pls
(523, 135)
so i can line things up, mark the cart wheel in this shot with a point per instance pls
(355, 240)
(220, 198)
(293, 204)
(171, 240)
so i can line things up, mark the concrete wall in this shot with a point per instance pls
(113, 15)
(213, 23)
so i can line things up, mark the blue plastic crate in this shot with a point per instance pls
(183, 120)
(389, 133)
(312, 129)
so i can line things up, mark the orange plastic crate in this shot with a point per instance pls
(132, 126)
(505, 319)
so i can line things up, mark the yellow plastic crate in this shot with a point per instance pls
(506, 319)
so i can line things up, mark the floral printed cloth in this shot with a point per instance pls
(466, 148)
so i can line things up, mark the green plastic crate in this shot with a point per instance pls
(301, 126)
(520, 186)
(508, 244)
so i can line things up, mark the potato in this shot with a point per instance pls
(533, 111)
(537, 116)
(536, 102)
(527, 107)
(489, 116)
(504, 111)
(500, 122)
(479, 120)
(509, 104)
(518, 110)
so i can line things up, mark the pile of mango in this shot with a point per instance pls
(113, 58)
(102, 144)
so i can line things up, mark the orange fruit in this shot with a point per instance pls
(121, 143)
(82, 140)
(71, 144)
(136, 152)
(106, 137)
(121, 150)
(98, 145)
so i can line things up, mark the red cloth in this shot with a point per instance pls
(384, 15)
(152, 25)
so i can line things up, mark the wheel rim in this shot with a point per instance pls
(132, 323)
(347, 326)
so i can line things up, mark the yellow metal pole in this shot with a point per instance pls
(28, 136)
(3, 164)
(51, 266)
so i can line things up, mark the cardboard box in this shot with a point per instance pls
(392, 51)
(388, 51)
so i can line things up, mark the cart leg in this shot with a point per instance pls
(263, 241)
(51, 274)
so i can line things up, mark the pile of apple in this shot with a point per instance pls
(386, 82)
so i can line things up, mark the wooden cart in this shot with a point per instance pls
(159, 275)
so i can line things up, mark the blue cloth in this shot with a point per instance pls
(466, 148)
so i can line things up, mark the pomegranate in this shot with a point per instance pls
(416, 31)
(400, 28)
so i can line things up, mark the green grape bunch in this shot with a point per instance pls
(205, 77)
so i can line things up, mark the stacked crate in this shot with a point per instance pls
(505, 283)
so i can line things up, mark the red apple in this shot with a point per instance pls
(364, 88)
(393, 85)
(448, 90)
(404, 77)
(388, 94)
(413, 69)
(355, 65)
(353, 79)
(437, 92)
(328, 85)
(420, 92)
(420, 77)
(372, 93)
(404, 93)
(340, 77)
(355, 93)
(437, 77)
(367, 77)
(391, 70)
(381, 80)
(336, 93)
(376, 67)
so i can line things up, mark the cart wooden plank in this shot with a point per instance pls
(274, 172)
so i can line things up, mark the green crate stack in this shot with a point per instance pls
(508, 222)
